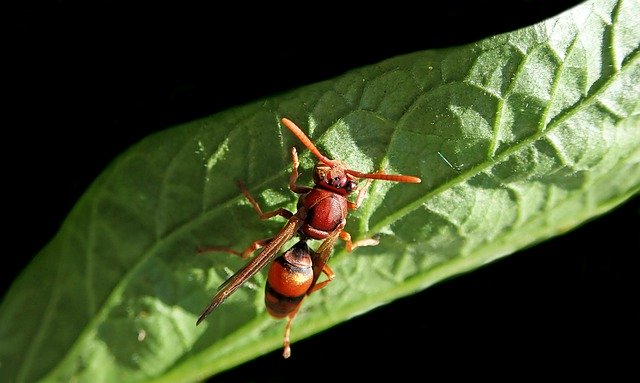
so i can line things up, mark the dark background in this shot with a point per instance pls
(83, 82)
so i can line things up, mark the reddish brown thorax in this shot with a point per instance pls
(326, 204)
(326, 210)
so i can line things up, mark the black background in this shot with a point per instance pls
(83, 82)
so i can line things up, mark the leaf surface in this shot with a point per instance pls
(518, 138)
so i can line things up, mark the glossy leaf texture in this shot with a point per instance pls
(518, 138)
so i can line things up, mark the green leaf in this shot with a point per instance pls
(517, 138)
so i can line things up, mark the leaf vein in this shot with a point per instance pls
(46, 320)
(474, 170)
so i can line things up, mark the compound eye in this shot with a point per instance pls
(350, 186)
(337, 181)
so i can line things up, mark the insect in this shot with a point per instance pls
(321, 215)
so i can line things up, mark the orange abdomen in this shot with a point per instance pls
(290, 277)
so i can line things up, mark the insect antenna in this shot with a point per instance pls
(306, 141)
(313, 149)
(386, 177)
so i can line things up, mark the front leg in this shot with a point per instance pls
(361, 194)
(280, 211)
(294, 175)
(292, 185)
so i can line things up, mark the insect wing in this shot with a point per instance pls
(322, 254)
(268, 253)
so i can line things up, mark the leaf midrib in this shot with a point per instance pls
(504, 155)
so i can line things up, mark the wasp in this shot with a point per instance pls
(321, 215)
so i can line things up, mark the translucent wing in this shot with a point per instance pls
(268, 253)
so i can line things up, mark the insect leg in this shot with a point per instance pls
(294, 174)
(350, 245)
(244, 254)
(280, 211)
(361, 194)
(326, 270)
